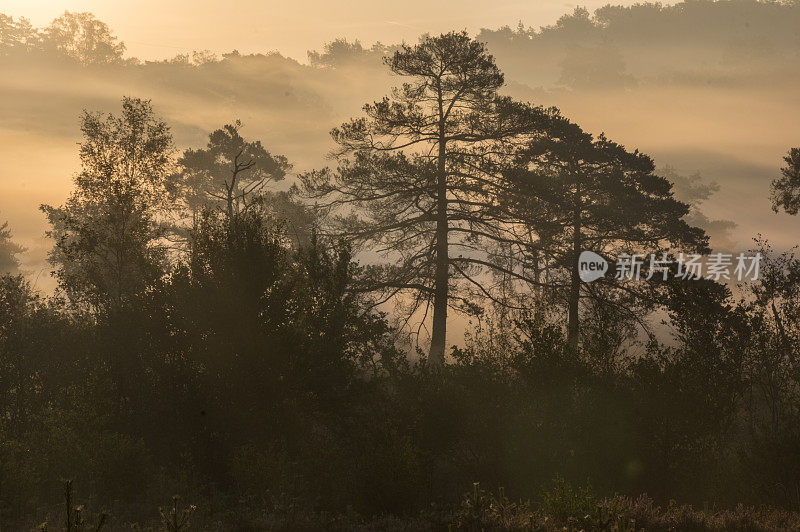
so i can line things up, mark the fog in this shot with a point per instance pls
(485, 316)
(155, 30)
(708, 89)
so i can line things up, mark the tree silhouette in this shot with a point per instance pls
(16, 36)
(230, 173)
(9, 262)
(84, 38)
(786, 189)
(415, 176)
(107, 234)
(580, 193)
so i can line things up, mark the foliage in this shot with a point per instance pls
(786, 188)
(571, 193)
(254, 372)
(175, 519)
(415, 180)
(230, 173)
(80, 36)
(9, 262)
(562, 501)
(107, 234)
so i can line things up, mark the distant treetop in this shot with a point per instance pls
(78, 36)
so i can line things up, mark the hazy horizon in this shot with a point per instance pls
(421, 265)
(718, 102)
(296, 27)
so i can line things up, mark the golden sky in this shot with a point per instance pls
(734, 133)
(155, 29)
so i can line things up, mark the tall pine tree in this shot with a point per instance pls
(415, 179)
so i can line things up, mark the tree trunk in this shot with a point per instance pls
(230, 189)
(575, 280)
(230, 203)
(442, 274)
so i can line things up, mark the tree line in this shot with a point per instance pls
(214, 336)
(461, 189)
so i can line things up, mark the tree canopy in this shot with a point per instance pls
(416, 172)
(9, 251)
(108, 235)
(580, 193)
(786, 188)
(230, 173)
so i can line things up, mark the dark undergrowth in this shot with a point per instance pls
(561, 507)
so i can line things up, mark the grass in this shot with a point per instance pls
(562, 508)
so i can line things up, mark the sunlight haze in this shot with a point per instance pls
(708, 90)
(399, 265)
(155, 30)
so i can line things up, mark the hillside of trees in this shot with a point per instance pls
(700, 82)
(270, 336)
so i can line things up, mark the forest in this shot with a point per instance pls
(393, 329)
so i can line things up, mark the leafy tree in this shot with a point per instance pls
(774, 312)
(229, 173)
(580, 193)
(17, 379)
(107, 235)
(269, 325)
(83, 38)
(17, 35)
(414, 179)
(777, 293)
(786, 189)
(341, 53)
(9, 262)
(298, 219)
(38, 350)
